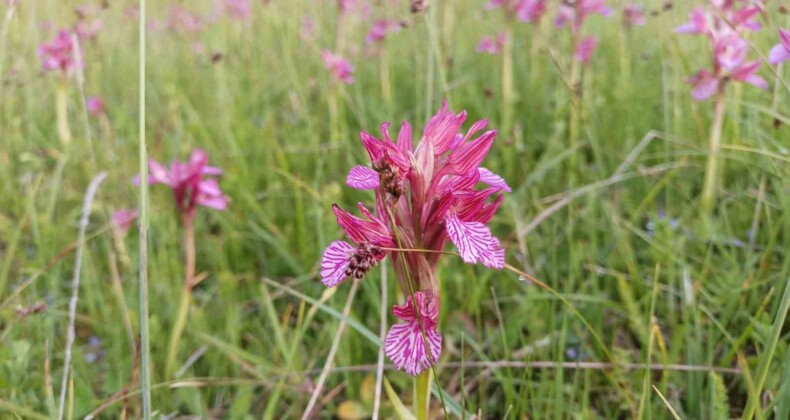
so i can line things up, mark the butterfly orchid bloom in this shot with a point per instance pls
(58, 54)
(424, 195)
(189, 182)
(724, 26)
(340, 68)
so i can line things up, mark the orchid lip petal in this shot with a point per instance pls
(492, 179)
(334, 263)
(474, 241)
(362, 178)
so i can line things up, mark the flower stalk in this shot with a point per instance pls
(422, 394)
(186, 293)
(62, 114)
(714, 149)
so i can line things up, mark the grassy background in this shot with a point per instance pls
(659, 281)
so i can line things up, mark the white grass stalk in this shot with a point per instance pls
(145, 341)
(75, 286)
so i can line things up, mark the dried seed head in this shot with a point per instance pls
(366, 257)
(389, 178)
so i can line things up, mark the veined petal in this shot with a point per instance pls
(359, 230)
(335, 262)
(404, 138)
(468, 156)
(495, 257)
(405, 347)
(362, 178)
(473, 239)
(492, 179)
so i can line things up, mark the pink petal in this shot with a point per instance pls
(362, 178)
(405, 347)
(473, 240)
(585, 49)
(784, 38)
(468, 155)
(359, 230)
(757, 81)
(697, 24)
(335, 262)
(404, 141)
(158, 173)
(492, 179)
(779, 53)
(213, 202)
(705, 85)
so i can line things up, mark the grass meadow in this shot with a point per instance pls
(655, 307)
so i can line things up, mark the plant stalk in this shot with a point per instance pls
(714, 149)
(507, 80)
(61, 109)
(186, 294)
(422, 394)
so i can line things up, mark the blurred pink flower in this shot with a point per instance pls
(238, 9)
(58, 54)
(309, 29)
(88, 30)
(723, 26)
(341, 69)
(781, 51)
(525, 10)
(574, 15)
(585, 49)
(95, 105)
(490, 45)
(122, 219)
(182, 20)
(380, 29)
(428, 194)
(188, 182)
(633, 15)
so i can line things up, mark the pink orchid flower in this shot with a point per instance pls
(425, 195)
(122, 219)
(723, 27)
(341, 69)
(95, 105)
(58, 54)
(585, 49)
(490, 45)
(781, 51)
(633, 15)
(188, 181)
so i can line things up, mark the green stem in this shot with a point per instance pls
(422, 394)
(61, 104)
(714, 149)
(186, 295)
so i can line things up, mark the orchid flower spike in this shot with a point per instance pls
(425, 195)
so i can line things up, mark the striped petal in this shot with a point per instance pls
(335, 262)
(492, 179)
(474, 241)
(362, 178)
(405, 347)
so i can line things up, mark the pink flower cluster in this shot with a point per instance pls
(58, 54)
(189, 183)
(491, 45)
(633, 15)
(574, 15)
(340, 68)
(723, 26)
(781, 51)
(238, 9)
(425, 195)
